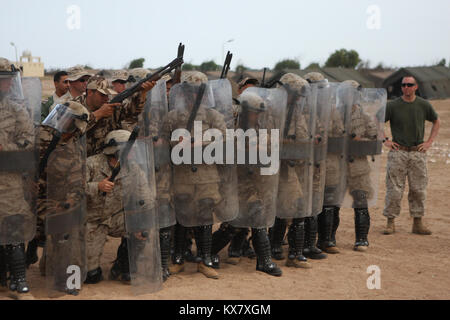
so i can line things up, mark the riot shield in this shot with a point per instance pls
(151, 120)
(295, 183)
(19, 117)
(198, 131)
(322, 91)
(262, 115)
(228, 185)
(65, 216)
(141, 217)
(367, 111)
(336, 162)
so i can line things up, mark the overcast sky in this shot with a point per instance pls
(111, 33)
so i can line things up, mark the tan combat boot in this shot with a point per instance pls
(298, 264)
(209, 272)
(390, 227)
(419, 228)
(176, 268)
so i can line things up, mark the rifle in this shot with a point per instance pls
(177, 74)
(151, 77)
(124, 154)
(263, 78)
(226, 65)
(50, 149)
(291, 106)
(190, 123)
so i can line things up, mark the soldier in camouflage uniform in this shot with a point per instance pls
(328, 219)
(359, 183)
(194, 188)
(290, 189)
(106, 117)
(239, 244)
(105, 213)
(62, 181)
(17, 134)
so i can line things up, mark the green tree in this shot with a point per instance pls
(241, 68)
(287, 64)
(343, 58)
(88, 67)
(137, 63)
(313, 65)
(208, 66)
(442, 63)
(189, 67)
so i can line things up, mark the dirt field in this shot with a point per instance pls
(412, 266)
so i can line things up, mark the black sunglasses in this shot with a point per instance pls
(409, 85)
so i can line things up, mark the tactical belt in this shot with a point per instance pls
(64, 222)
(336, 145)
(408, 149)
(295, 151)
(18, 161)
(142, 220)
(364, 148)
(320, 153)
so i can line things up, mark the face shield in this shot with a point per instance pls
(62, 118)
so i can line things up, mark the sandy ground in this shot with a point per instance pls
(412, 266)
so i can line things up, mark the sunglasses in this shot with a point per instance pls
(409, 85)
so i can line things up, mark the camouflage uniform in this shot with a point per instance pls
(17, 222)
(105, 214)
(125, 114)
(358, 170)
(402, 164)
(199, 190)
(17, 133)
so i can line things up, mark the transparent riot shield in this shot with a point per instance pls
(260, 125)
(367, 112)
(65, 216)
(19, 117)
(204, 186)
(297, 155)
(336, 163)
(322, 90)
(141, 217)
(151, 120)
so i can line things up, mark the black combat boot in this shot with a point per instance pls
(261, 244)
(121, 267)
(179, 248)
(203, 239)
(17, 268)
(3, 267)
(247, 250)
(276, 238)
(311, 251)
(94, 276)
(164, 243)
(296, 240)
(220, 239)
(325, 228)
(362, 225)
(336, 221)
(31, 255)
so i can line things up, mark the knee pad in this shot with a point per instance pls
(359, 198)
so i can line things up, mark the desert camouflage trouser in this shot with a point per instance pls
(402, 164)
(96, 237)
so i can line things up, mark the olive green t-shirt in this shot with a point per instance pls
(407, 120)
